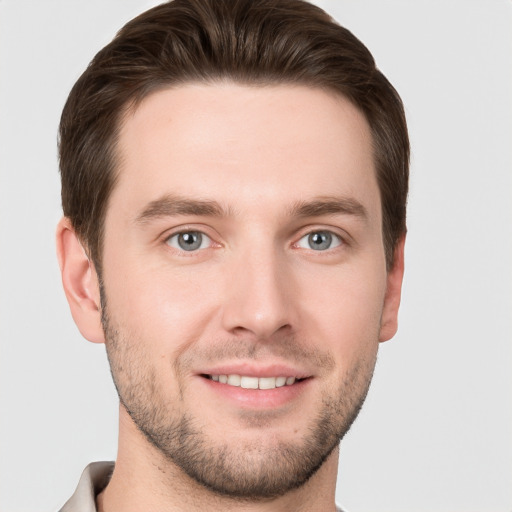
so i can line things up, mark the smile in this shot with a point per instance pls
(246, 382)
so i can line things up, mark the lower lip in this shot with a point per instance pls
(257, 398)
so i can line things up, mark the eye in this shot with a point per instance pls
(189, 241)
(319, 241)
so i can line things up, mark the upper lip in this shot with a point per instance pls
(256, 370)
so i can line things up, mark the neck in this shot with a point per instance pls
(144, 479)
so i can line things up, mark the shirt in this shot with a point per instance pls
(94, 479)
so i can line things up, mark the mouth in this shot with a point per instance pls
(248, 382)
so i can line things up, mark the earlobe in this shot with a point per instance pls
(80, 282)
(389, 321)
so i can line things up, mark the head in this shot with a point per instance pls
(236, 174)
(259, 43)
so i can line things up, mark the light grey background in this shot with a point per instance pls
(436, 431)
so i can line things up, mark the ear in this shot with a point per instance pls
(80, 282)
(389, 321)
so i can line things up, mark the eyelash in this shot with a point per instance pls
(335, 238)
(202, 235)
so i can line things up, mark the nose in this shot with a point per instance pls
(258, 296)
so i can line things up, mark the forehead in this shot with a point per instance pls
(245, 145)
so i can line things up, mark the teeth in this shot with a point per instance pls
(254, 382)
(267, 383)
(249, 382)
(234, 380)
(280, 381)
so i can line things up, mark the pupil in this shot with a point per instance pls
(190, 241)
(320, 240)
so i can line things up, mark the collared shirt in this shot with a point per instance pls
(94, 479)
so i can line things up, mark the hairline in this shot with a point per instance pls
(138, 97)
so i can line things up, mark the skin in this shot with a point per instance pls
(255, 297)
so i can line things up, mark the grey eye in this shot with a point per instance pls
(319, 241)
(189, 241)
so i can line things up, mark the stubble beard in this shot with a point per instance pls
(249, 472)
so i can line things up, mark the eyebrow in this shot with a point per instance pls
(329, 206)
(171, 206)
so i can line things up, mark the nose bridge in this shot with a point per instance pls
(258, 291)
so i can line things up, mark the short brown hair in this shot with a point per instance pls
(248, 42)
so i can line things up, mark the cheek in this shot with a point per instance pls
(345, 311)
(170, 307)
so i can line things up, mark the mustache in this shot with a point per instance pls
(287, 348)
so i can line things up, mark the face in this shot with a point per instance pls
(244, 279)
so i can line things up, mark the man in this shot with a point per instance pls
(234, 183)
